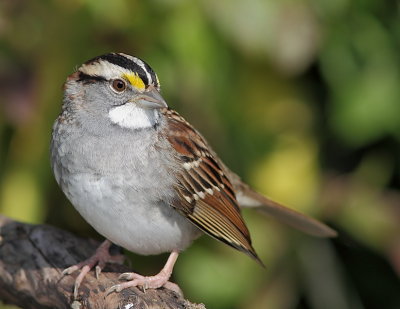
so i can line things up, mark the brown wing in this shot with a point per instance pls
(206, 194)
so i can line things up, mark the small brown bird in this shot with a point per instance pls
(142, 176)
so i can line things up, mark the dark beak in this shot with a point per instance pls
(150, 99)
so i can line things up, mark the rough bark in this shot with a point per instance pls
(32, 258)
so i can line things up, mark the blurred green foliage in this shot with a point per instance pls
(301, 98)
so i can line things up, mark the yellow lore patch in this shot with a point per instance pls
(135, 81)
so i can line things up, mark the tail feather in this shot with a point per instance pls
(247, 197)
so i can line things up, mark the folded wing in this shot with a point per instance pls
(206, 194)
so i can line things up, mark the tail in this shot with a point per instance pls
(247, 197)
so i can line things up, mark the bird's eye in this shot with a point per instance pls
(118, 85)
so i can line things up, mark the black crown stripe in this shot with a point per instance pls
(125, 63)
(86, 78)
(152, 74)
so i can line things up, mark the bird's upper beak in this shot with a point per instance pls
(150, 99)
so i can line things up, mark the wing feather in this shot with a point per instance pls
(206, 194)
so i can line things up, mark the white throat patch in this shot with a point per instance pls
(132, 117)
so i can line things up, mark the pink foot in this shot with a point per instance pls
(99, 258)
(149, 282)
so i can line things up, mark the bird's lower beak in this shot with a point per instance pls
(151, 99)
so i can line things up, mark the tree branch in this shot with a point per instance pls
(32, 258)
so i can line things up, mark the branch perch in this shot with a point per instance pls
(32, 258)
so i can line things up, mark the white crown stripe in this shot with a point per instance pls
(104, 69)
(142, 66)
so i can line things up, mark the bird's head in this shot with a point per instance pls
(120, 88)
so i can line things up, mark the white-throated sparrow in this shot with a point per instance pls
(142, 176)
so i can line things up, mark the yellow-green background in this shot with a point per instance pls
(300, 97)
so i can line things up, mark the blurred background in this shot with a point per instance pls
(299, 97)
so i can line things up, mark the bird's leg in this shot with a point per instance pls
(150, 282)
(99, 258)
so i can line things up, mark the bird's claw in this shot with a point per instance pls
(100, 258)
(76, 289)
(98, 271)
(69, 270)
(143, 283)
(130, 276)
(115, 288)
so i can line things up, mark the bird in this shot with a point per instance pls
(145, 178)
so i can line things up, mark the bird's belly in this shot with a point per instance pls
(142, 223)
